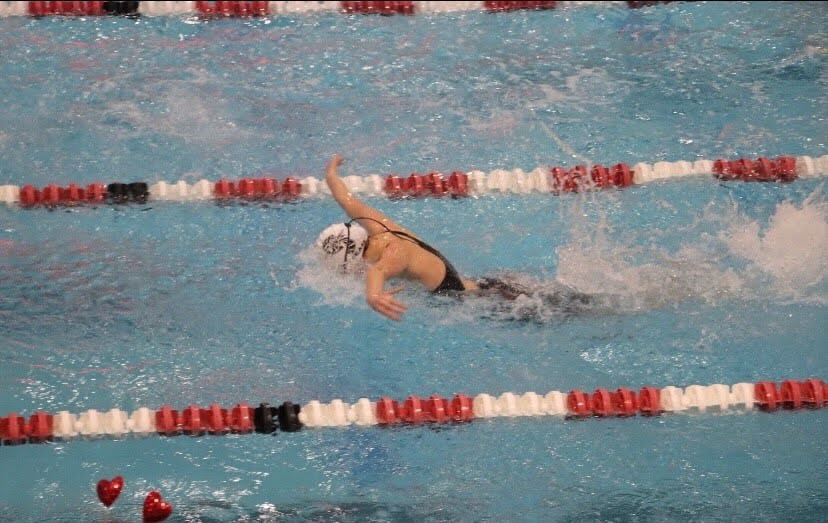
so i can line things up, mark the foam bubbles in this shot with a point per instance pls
(792, 250)
(782, 259)
(335, 287)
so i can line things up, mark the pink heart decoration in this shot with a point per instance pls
(155, 508)
(109, 490)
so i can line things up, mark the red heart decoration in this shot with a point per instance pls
(108, 491)
(155, 508)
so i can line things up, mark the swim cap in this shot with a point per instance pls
(343, 243)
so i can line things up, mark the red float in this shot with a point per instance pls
(255, 188)
(36, 8)
(12, 429)
(519, 5)
(461, 408)
(813, 393)
(381, 8)
(600, 176)
(458, 184)
(556, 179)
(241, 419)
(436, 185)
(50, 195)
(60, 8)
(394, 186)
(29, 196)
(577, 175)
(723, 171)
(577, 402)
(415, 185)
(65, 8)
(206, 8)
(291, 188)
(436, 409)
(224, 189)
(786, 168)
(601, 403)
(94, 8)
(226, 8)
(624, 402)
(53, 195)
(649, 401)
(247, 188)
(765, 170)
(233, 9)
(571, 180)
(72, 195)
(166, 421)
(215, 419)
(412, 411)
(95, 192)
(387, 411)
(81, 8)
(621, 175)
(790, 393)
(745, 169)
(39, 428)
(635, 4)
(270, 187)
(191, 422)
(766, 395)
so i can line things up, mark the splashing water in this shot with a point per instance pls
(792, 251)
(787, 260)
(336, 288)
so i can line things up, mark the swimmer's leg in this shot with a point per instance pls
(506, 290)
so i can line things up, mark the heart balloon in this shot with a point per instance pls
(109, 490)
(155, 508)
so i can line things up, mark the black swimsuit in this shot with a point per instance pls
(451, 281)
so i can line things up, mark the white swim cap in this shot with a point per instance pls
(343, 243)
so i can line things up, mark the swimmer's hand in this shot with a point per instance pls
(385, 304)
(335, 162)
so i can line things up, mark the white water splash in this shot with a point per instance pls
(335, 288)
(787, 259)
(643, 278)
(792, 250)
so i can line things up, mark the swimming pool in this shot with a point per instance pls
(696, 280)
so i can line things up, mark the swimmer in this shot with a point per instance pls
(388, 249)
(385, 250)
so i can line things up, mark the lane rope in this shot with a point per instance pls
(555, 180)
(241, 9)
(765, 396)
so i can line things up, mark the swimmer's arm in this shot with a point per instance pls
(392, 263)
(353, 206)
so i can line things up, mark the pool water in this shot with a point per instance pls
(695, 281)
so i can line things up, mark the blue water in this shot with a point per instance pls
(694, 281)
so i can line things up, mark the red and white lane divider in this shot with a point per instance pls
(554, 180)
(289, 417)
(242, 9)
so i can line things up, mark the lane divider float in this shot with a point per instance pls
(555, 180)
(242, 418)
(246, 9)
